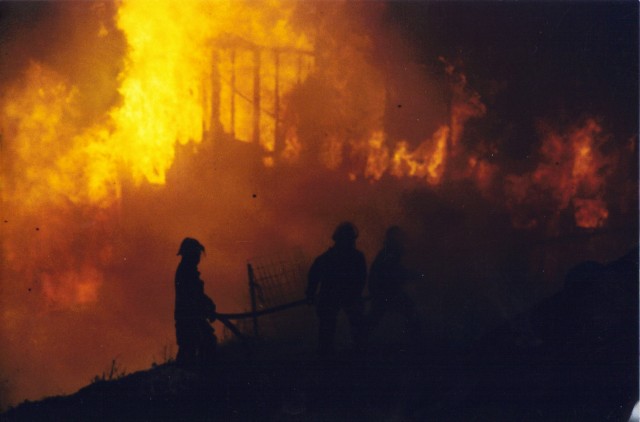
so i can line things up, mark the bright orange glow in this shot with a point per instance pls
(427, 161)
(258, 58)
(435, 166)
(59, 163)
(167, 86)
(166, 93)
(166, 99)
(233, 69)
(72, 155)
(163, 98)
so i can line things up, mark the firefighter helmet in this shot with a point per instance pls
(346, 231)
(190, 246)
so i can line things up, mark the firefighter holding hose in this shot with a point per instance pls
(340, 274)
(194, 310)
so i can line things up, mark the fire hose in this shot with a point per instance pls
(246, 315)
(225, 318)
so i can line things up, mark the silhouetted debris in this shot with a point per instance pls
(572, 357)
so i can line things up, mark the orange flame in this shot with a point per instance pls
(427, 161)
(59, 162)
(573, 172)
(465, 103)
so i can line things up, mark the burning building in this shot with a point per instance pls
(126, 126)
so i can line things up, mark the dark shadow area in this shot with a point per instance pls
(572, 357)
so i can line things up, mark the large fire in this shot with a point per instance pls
(84, 158)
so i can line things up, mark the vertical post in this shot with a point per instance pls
(216, 126)
(256, 96)
(276, 106)
(233, 93)
(252, 293)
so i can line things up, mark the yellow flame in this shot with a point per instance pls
(435, 166)
(167, 89)
(378, 156)
(169, 59)
(171, 90)
(426, 161)
(258, 58)
(58, 161)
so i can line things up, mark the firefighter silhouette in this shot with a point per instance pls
(387, 278)
(194, 310)
(340, 273)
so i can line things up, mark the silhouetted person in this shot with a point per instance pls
(341, 274)
(387, 278)
(194, 310)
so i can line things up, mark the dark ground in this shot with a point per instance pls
(573, 357)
